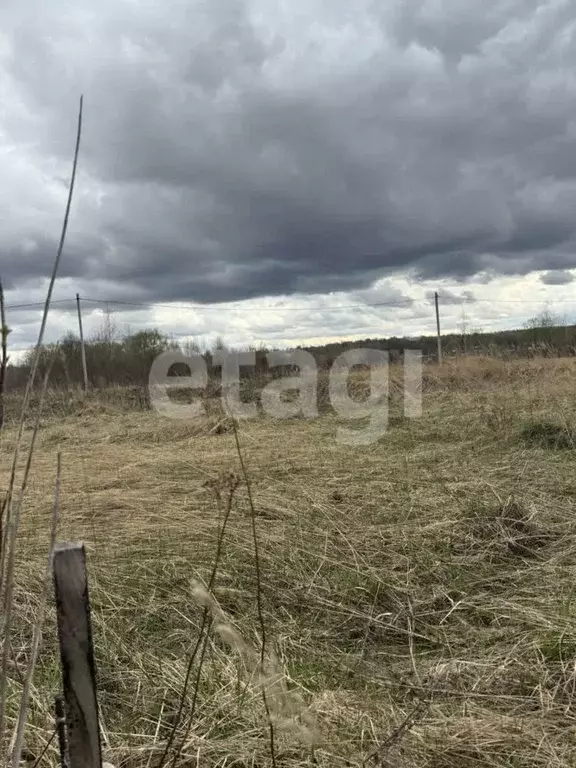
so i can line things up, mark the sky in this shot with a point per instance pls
(289, 172)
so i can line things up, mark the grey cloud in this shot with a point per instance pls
(445, 296)
(231, 154)
(458, 33)
(557, 277)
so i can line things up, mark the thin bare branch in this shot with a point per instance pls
(203, 634)
(258, 570)
(8, 544)
(37, 353)
(4, 331)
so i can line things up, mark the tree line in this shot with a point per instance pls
(114, 360)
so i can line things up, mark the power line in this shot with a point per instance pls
(218, 308)
(456, 301)
(37, 304)
(452, 301)
(398, 303)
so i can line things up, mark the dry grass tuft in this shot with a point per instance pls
(546, 434)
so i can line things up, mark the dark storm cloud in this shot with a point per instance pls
(233, 149)
(557, 277)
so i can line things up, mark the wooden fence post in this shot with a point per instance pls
(438, 335)
(77, 656)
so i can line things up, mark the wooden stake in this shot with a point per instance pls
(77, 656)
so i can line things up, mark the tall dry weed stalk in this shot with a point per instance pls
(224, 489)
(12, 510)
(4, 332)
(6, 623)
(285, 708)
(18, 737)
(258, 586)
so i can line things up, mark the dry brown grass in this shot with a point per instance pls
(418, 594)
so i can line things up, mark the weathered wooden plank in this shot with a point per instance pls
(77, 656)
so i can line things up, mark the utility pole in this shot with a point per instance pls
(82, 347)
(464, 330)
(438, 328)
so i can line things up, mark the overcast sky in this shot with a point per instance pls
(299, 155)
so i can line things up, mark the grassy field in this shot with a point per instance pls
(417, 595)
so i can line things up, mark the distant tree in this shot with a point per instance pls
(219, 344)
(144, 344)
(191, 347)
(548, 331)
(544, 319)
(108, 332)
(140, 349)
